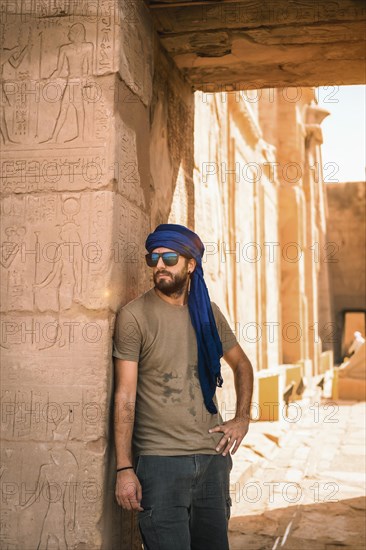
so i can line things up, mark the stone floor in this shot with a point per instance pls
(307, 489)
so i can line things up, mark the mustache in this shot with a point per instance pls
(163, 273)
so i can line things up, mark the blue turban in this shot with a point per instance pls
(186, 242)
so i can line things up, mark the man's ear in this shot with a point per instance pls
(191, 265)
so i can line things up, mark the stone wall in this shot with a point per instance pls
(236, 213)
(291, 122)
(346, 235)
(97, 127)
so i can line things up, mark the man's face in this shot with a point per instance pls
(171, 279)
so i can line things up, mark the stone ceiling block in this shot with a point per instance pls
(242, 43)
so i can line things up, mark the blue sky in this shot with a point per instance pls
(344, 132)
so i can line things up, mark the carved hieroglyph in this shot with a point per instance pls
(54, 398)
(53, 256)
(49, 70)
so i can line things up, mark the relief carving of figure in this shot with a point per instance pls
(11, 247)
(56, 484)
(76, 58)
(66, 267)
(14, 57)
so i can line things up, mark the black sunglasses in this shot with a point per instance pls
(169, 258)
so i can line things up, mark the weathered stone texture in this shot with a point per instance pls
(234, 45)
(346, 233)
(293, 302)
(291, 121)
(171, 145)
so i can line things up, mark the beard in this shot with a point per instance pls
(173, 284)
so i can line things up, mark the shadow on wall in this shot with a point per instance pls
(171, 146)
(163, 150)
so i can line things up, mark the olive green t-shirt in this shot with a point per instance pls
(170, 415)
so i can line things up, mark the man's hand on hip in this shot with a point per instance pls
(234, 431)
(128, 490)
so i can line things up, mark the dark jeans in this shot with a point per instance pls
(186, 501)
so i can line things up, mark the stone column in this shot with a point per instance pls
(315, 257)
(346, 237)
(76, 86)
(294, 313)
(97, 135)
(318, 256)
(292, 225)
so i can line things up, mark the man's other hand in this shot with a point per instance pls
(234, 432)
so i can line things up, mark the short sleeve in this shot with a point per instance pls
(127, 336)
(227, 336)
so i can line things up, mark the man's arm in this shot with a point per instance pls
(243, 379)
(128, 488)
(235, 430)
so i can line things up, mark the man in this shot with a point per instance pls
(172, 447)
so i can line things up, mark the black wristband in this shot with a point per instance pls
(125, 468)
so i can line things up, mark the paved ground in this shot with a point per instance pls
(307, 489)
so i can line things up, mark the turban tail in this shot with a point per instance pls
(186, 242)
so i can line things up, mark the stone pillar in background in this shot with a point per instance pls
(292, 224)
(291, 208)
(291, 121)
(346, 232)
(316, 249)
